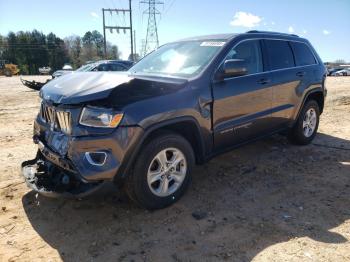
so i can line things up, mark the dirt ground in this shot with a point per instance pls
(267, 201)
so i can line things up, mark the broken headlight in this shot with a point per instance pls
(100, 117)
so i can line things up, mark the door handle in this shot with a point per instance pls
(264, 81)
(301, 73)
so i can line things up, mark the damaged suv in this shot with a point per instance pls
(181, 105)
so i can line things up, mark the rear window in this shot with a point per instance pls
(280, 54)
(303, 54)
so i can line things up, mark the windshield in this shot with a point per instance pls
(184, 59)
(86, 68)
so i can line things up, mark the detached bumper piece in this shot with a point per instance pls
(33, 84)
(50, 180)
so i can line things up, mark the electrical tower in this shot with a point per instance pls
(117, 28)
(152, 41)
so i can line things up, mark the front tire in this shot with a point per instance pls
(162, 172)
(305, 129)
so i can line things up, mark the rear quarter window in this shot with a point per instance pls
(279, 54)
(303, 54)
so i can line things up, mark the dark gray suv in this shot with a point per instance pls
(179, 106)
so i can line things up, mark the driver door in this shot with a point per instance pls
(242, 104)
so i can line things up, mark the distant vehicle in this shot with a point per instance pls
(103, 65)
(332, 71)
(59, 73)
(65, 70)
(67, 67)
(45, 70)
(8, 69)
(343, 72)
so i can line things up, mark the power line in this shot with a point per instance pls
(169, 7)
(117, 27)
(152, 41)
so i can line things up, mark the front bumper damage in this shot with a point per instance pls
(62, 167)
(51, 180)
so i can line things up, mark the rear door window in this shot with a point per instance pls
(303, 54)
(279, 54)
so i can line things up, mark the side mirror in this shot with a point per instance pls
(233, 68)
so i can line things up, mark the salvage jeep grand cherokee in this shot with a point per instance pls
(180, 105)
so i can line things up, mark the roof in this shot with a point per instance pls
(230, 36)
(270, 33)
(210, 37)
(109, 61)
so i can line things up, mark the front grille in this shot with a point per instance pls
(64, 121)
(57, 118)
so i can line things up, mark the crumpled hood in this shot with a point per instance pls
(82, 87)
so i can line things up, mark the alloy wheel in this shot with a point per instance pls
(166, 172)
(309, 122)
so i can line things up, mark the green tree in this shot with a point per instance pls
(89, 52)
(112, 51)
(92, 46)
(74, 48)
(98, 42)
(136, 57)
(31, 50)
(58, 54)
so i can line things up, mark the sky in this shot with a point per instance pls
(325, 23)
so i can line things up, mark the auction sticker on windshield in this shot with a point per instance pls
(212, 43)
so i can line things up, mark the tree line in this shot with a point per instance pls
(32, 50)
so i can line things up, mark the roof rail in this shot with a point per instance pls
(269, 32)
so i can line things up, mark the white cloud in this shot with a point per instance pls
(326, 32)
(245, 20)
(290, 29)
(94, 15)
(304, 32)
(273, 23)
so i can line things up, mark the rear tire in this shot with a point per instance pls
(161, 173)
(305, 129)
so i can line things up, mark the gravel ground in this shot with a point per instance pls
(267, 201)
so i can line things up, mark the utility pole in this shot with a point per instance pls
(131, 33)
(118, 27)
(152, 41)
(134, 58)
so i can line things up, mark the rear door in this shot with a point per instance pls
(285, 81)
(292, 68)
(241, 108)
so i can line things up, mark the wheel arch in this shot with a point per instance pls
(185, 126)
(315, 94)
